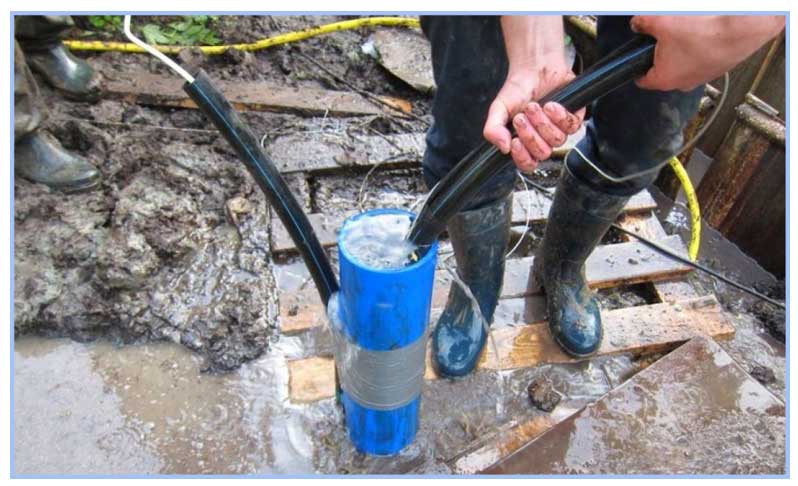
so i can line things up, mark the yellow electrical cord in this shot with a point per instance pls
(79, 45)
(692, 203)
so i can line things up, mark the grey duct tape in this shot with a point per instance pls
(378, 380)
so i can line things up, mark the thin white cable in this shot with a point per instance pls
(155, 52)
(528, 211)
(662, 164)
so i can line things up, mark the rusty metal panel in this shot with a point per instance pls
(743, 194)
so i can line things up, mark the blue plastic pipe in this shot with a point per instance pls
(384, 310)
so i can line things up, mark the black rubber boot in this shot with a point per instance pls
(71, 75)
(579, 217)
(479, 239)
(39, 157)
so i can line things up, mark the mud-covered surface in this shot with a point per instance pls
(167, 268)
(175, 244)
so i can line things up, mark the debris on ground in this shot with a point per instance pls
(542, 394)
(405, 54)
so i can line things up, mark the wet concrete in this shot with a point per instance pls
(696, 411)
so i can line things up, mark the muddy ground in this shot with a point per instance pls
(155, 253)
(166, 279)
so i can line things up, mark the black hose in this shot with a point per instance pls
(454, 191)
(216, 107)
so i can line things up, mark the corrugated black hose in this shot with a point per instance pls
(215, 106)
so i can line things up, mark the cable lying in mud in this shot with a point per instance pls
(135, 47)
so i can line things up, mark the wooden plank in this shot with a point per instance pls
(325, 152)
(326, 227)
(309, 379)
(161, 90)
(608, 266)
(504, 443)
(638, 330)
(648, 226)
(695, 411)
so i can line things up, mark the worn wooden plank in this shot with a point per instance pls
(505, 443)
(161, 90)
(326, 227)
(637, 330)
(324, 152)
(647, 225)
(608, 266)
(311, 378)
(688, 413)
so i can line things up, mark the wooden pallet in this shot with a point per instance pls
(535, 204)
(680, 315)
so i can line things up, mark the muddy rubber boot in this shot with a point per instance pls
(479, 238)
(69, 74)
(39, 157)
(578, 219)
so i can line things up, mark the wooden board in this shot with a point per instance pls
(309, 379)
(326, 227)
(608, 266)
(695, 411)
(330, 152)
(504, 443)
(647, 225)
(163, 90)
(637, 330)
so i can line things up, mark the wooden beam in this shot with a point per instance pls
(608, 266)
(161, 90)
(638, 330)
(326, 227)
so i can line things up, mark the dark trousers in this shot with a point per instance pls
(630, 130)
(32, 32)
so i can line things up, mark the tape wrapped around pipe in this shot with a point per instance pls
(378, 380)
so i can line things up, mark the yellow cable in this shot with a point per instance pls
(692, 203)
(79, 45)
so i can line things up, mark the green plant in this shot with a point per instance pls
(106, 23)
(192, 30)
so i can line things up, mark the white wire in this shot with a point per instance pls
(667, 159)
(155, 52)
(528, 212)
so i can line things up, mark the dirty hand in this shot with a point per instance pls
(536, 54)
(692, 50)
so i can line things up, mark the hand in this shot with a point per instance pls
(537, 66)
(692, 50)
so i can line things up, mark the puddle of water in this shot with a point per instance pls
(100, 409)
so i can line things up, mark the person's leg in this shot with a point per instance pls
(40, 39)
(38, 156)
(470, 66)
(631, 130)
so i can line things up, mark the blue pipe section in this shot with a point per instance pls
(383, 310)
